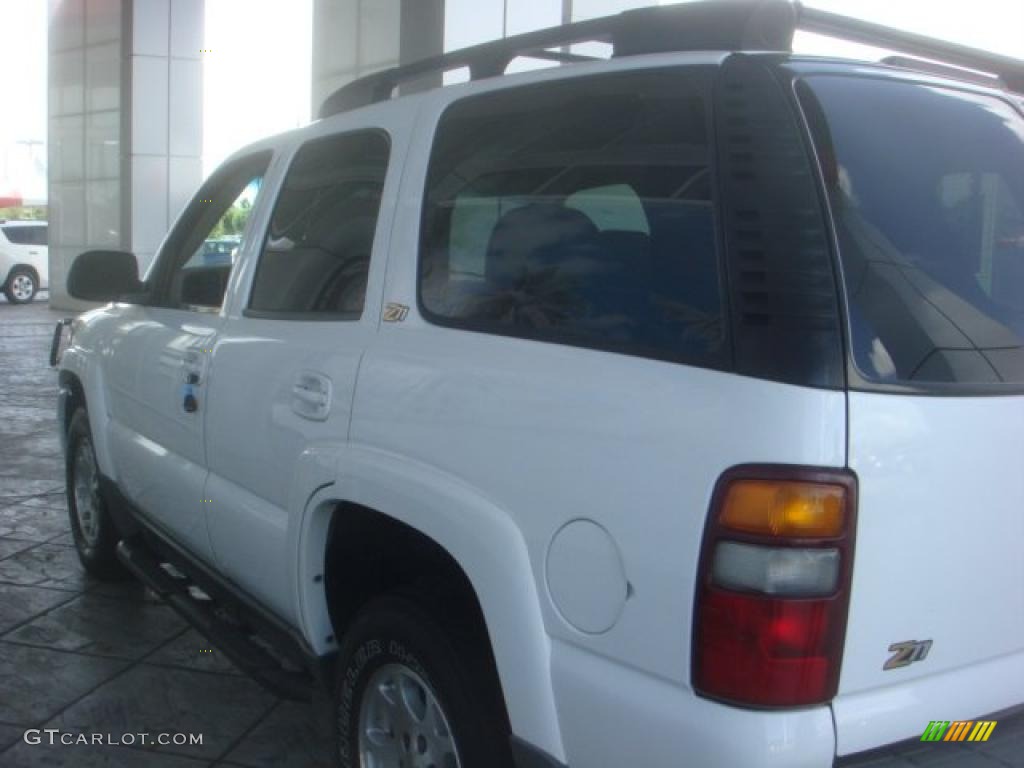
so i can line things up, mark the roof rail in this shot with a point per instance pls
(943, 70)
(1009, 70)
(709, 25)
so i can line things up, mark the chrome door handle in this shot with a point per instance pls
(311, 396)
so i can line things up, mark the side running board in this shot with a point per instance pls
(230, 637)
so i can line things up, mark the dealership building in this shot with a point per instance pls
(126, 98)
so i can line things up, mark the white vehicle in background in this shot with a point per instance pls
(662, 410)
(24, 265)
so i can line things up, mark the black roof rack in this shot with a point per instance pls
(1009, 70)
(711, 25)
(943, 70)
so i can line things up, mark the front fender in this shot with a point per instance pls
(79, 362)
(484, 541)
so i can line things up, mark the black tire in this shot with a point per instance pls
(14, 289)
(397, 630)
(98, 549)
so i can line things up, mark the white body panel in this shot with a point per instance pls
(156, 445)
(939, 536)
(613, 715)
(549, 434)
(258, 429)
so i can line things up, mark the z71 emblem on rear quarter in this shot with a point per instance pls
(907, 652)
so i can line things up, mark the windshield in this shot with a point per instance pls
(926, 186)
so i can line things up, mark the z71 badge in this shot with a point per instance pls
(907, 652)
(394, 313)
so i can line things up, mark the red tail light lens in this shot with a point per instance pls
(770, 614)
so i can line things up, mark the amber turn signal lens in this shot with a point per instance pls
(784, 508)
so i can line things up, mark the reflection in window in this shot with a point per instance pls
(578, 212)
(316, 258)
(927, 188)
(220, 248)
(196, 259)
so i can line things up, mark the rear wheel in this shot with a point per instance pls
(407, 696)
(21, 286)
(92, 527)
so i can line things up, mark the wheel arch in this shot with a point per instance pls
(469, 542)
(80, 384)
(26, 267)
(72, 395)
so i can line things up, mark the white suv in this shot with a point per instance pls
(650, 411)
(24, 265)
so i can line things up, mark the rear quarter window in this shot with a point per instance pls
(580, 213)
(926, 186)
(26, 235)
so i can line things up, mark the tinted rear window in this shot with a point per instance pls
(581, 213)
(927, 190)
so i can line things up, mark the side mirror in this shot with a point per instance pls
(104, 276)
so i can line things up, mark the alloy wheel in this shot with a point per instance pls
(401, 723)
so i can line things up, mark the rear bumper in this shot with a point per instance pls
(1005, 747)
(614, 715)
(895, 713)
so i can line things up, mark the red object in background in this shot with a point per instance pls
(11, 201)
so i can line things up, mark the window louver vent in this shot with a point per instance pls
(785, 313)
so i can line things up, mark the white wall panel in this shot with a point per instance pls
(103, 213)
(103, 77)
(103, 21)
(149, 201)
(103, 146)
(183, 178)
(185, 108)
(187, 28)
(66, 149)
(150, 91)
(149, 27)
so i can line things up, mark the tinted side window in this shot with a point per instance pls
(316, 257)
(578, 212)
(40, 234)
(927, 190)
(190, 273)
(19, 235)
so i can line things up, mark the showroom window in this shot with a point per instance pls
(578, 212)
(316, 258)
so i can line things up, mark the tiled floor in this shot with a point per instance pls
(87, 657)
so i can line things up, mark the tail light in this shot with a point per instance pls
(774, 585)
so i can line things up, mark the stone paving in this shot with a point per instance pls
(87, 657)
